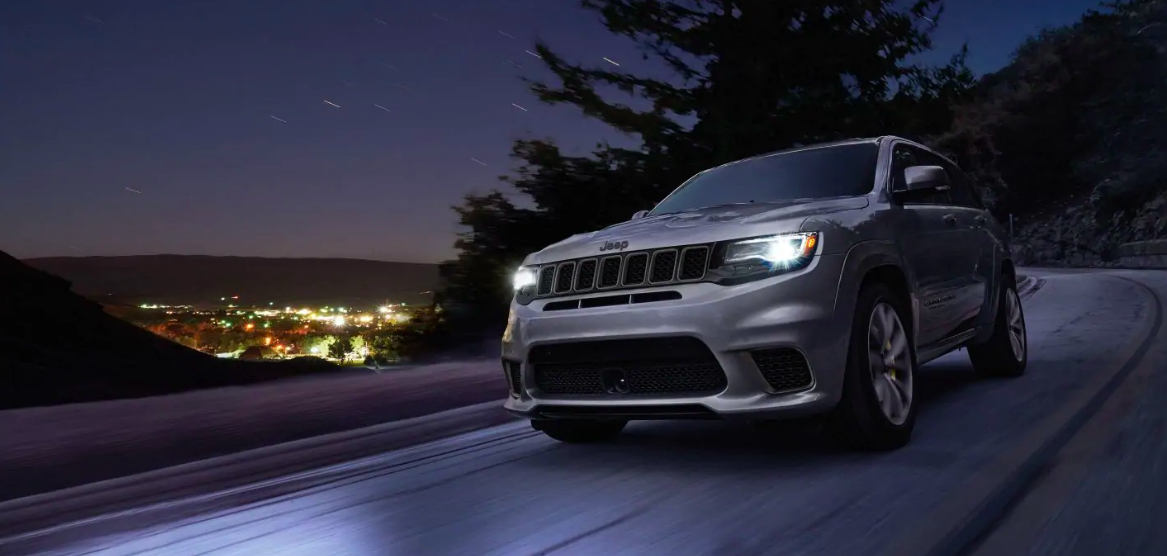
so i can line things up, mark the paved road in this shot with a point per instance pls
(1016, 462)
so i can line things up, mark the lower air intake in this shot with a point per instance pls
(785, 369)
(617, 368)
(514, 371)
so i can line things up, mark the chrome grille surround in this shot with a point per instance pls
(546, 281)
(663, 267)
(565, 278)
(610, 270)
(636, 269)
(693, 258)
(586, 274)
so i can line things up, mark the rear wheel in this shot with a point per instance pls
(877, 410)
(1006, 352)
(579, 431)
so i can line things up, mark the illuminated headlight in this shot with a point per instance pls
(774, 250)
(758, 257)
(524, 278)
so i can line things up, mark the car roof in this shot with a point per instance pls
(839, 143)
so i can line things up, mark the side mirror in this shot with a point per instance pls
(639, 214)
(921, 178)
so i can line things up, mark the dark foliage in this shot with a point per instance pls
(1061, 117)
(1069, 137)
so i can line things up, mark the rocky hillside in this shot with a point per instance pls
(1071, 137)
(1070, 233)
(58, 347)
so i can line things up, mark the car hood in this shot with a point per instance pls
(697, 226)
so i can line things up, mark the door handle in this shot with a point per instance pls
(980, 220)
(950, 219)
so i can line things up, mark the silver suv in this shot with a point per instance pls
(811, 282)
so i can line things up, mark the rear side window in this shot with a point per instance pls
(962, 192)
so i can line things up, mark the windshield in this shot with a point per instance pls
(837, 171)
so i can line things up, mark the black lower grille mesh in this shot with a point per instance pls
(648, 366)
(784, 369)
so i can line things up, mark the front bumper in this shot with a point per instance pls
(796, 310)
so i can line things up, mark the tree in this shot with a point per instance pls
(748, 76)
(1077, 107)
(341, 347)
(382, 344)
(315, 344)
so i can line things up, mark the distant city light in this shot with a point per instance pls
(366, 318)
(385, 309)
(315, 350)
(339, 321)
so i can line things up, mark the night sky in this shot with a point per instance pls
(295, 128)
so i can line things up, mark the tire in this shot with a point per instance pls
(580, 431)
(999, 356)
(863, 419)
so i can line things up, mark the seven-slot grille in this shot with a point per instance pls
(627, 270)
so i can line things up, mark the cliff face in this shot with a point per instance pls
(1072, 233)
(58, 347)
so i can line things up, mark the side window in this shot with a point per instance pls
(903, 156)
(962, 192)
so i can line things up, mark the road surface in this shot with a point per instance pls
(1065, 460)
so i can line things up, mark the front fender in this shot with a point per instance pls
(861, 259)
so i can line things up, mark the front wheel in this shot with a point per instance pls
(1007, 351)
(877, 410)
(580, 431)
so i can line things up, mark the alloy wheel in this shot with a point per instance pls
(890, 360)
(1015, 322)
